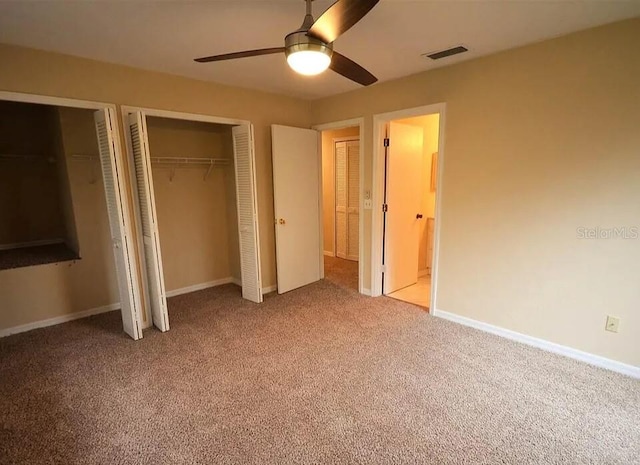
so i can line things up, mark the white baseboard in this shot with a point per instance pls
(20, 245)
(217, 282)
(201, 286)
(328, 253)
(268, 289)
(59, 319)
(366, 291)
(570, 352)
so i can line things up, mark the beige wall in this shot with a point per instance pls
(196, 218)
(328, 182)
(539, 141)
(430, 125)
(38, 72)
(46, 291)
(30, 207)
(44, 73)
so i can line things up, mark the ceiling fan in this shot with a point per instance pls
(309, 49)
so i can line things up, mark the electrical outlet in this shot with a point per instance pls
(612, 324)
(368, 204)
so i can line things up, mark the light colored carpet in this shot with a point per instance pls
(319, 375)
(342, 272)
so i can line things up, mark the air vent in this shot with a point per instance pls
(447, 53)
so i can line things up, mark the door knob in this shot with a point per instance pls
(418, 216)
(282, 221)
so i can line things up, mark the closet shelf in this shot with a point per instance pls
(172, 162)
(180, 162)
(189, 161)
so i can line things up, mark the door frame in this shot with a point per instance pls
(348, 123)
(380, 121)
(126, 199)
(155, 112)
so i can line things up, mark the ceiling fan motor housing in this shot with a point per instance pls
(299, 41)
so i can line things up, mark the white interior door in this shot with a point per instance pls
(402, 232)
(296, 195)
(113, 177)
(247, 203)
(347, 194)
(139, 148)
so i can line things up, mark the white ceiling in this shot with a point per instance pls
(167, 35)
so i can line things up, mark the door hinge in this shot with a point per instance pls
(386, 142)
(385, 207)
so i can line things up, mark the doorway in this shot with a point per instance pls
(341, 205)
(407, 173)
(69, 170)
(195, 203)
(343, 202)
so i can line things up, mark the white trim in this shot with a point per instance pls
(329, 253)
(50, 100)
(543, 344)
(198, 117)
(21, 245)
(201, 286)
(379, 121)
(366, 291)
(347, 123)
(59, 319)
(184, 116)
(268, 289)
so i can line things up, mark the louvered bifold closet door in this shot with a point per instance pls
(243, 149)
(147, 206)
(341, 200)
(113, 180)
(353, 199)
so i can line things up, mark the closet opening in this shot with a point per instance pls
(64, 240)
(407, 164)
(341, 205)
(37, 221)
(196, 209)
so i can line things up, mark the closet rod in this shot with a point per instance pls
(12, 156)
(189, 161)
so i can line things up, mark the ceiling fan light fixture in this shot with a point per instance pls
(309, 62)
(307, 55)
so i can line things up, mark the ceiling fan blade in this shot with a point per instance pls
(246, 53)
(339, 17)
(351, 70)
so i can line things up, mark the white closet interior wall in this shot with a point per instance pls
(197, 217)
